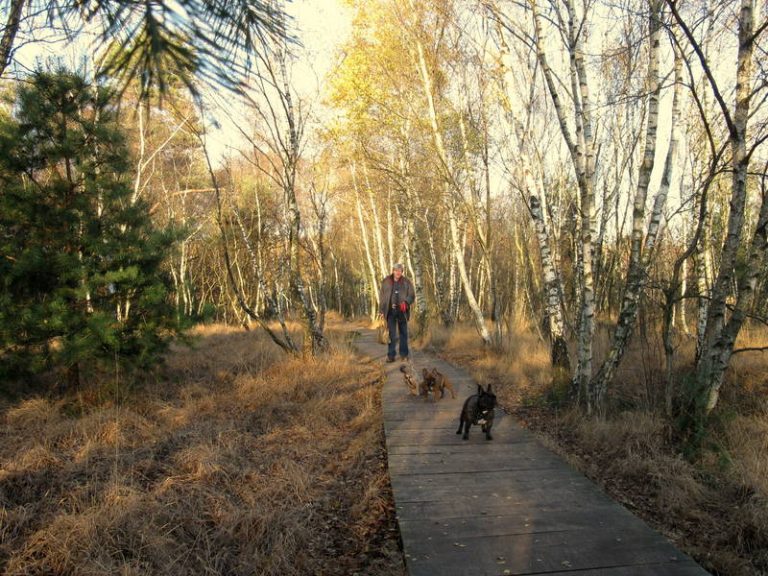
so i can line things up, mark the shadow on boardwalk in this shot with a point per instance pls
(506, 506)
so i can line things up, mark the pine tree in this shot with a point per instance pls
(80, 276)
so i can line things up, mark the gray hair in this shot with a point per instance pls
(398, 266)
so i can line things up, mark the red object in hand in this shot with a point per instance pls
(403, 306)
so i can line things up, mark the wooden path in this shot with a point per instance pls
(505, 506)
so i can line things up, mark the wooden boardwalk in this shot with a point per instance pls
(506, 506)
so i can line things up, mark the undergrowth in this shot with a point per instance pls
(236, 460)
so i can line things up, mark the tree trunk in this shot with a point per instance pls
(720, 333)
(384, 268)
(559, 349)
(458, 255)
(337, 284)
(373, 278)
(703, 284)
(9, 33)
(582, 152)
(413, 254)
(458, 251)
(639, 254)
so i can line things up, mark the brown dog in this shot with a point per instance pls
(427, 384)
(442, 383)
(435, 382)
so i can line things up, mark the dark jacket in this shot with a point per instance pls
(386, 297)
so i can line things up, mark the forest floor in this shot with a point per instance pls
(233, 459)
(714, 507)
(230, 459)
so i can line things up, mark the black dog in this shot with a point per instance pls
(478, 409)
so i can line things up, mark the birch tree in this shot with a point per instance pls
(534, 195)
(447, 168)
(723, 322)
(642, 241)
(581, 148)
(373, 278)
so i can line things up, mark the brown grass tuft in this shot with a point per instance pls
(747, 439)
(33, 414)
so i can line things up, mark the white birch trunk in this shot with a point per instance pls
(583, 157)
(720, 333)
(639, 254)
(372, 277)
(680, 315)
(413, 255)
(446, 165)
(458, 255)
(702, 270)
(390, 234)
(317, 341)
(384, 268)
(559, 348)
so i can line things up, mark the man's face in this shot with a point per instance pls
(398, 273)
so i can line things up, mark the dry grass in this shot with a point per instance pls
(519, 372)
(237, 461)
(716, 509)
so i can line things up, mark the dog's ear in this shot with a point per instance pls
(480, 389)
(489, 390)
(424, 372)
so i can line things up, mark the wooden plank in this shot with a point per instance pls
(542, 484)
(548, 552)
(469, 461)
(516, 520)
(489, 448)
(679, 568)
(506, 506)
(443, 437)
(523, 506)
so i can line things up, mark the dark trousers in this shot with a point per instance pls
(396, 321)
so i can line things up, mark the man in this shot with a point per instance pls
(395, 299)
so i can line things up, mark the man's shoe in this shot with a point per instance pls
(390, 359)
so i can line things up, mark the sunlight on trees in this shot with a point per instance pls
(589, 170)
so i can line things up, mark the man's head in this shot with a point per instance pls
(397, 270)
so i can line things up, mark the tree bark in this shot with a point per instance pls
(639, 254)
(582, 152)
(384, 268)
(373, 278)
(559, 348)
(458, 252)
(720, 332)
(313, 330)
(9, 33)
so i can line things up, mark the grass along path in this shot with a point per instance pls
(237, 460)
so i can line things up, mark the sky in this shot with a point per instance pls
(322, 26)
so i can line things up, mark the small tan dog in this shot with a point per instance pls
(435, 381)
(410, 381)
